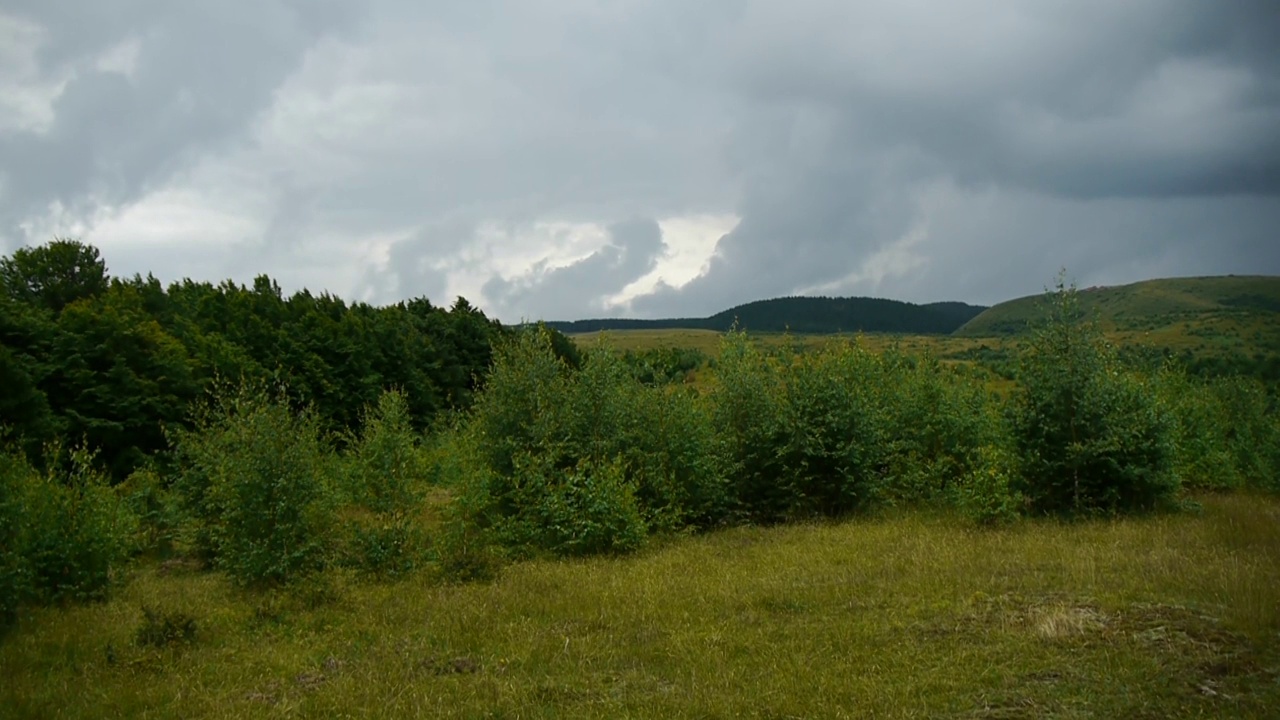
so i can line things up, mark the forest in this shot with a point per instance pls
(281, 442)
(806, 315)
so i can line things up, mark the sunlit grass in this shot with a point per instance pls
(911, 616)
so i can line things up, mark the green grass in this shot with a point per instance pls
(1152, 305)
(908, 616)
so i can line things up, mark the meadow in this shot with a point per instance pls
(904, 615)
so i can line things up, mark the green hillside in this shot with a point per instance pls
(1147, 305)
(814, 315)
(1216, 325)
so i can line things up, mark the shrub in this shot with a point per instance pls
(385, 475)
(261, 480)
(548, 440)
(1252, 430)
(986, 494)
(588, 510)
(748, 406)
(387, 544)
(385, 469)
(1203, 456)
(15, 564)
(672, 452)
(938, 423)
(156, 508)
(799, 434)
(65, 531)
(1092, 435)
(835, 451)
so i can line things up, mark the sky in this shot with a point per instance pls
(565, 159)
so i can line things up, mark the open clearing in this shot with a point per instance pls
(908, 616)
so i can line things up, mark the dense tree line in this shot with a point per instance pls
(817, 315)
(114, 362)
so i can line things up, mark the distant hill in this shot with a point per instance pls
(810, 315)
(1241, 303)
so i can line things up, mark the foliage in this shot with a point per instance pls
(385, 470)
(260, 479)
(940, 426)
(385, 544)
(834, 451)
(590, 509)
(747, 409)
(1227, 436)
(806, 315)
(986, 494)
(54, 275)
(1092, 435)
(549, 439)
(112, 362)
(664, 365)
(157, 508)
(62, 533)
(15, 562)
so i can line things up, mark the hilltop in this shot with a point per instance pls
(1146, 305)
(810, 315)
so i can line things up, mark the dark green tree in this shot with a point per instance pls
(55, 275)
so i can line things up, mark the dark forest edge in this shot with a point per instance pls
(809, 315)
(274, 438)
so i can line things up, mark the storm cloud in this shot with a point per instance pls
(586, 158)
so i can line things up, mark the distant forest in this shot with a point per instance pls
(810, 315)
(111, 362)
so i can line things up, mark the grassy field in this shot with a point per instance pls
(708, 341)
(910, 616)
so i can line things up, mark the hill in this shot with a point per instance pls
(810, 315)
(1149, 305)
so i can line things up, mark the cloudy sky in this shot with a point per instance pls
(582, 158)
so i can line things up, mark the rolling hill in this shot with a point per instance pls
(809, 315)
(1150, 305)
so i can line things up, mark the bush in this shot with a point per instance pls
(986, 494)
(15, 564)
(385, 470)
(384, 544)
(261, 480)
(385, 476)
(834, 457)
(588, 510)
(1252, 431)
(799, 434)
(547, 440)
(160, 628)
(64, 534)
(1093, 436)
(157, 510)
(1203, 456)
(748, 411)
(940, 426)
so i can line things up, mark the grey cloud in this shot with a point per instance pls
(203, 72)
(1110, 136)
(576, 290)
(925, 151)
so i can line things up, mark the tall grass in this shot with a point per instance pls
(915, 615)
